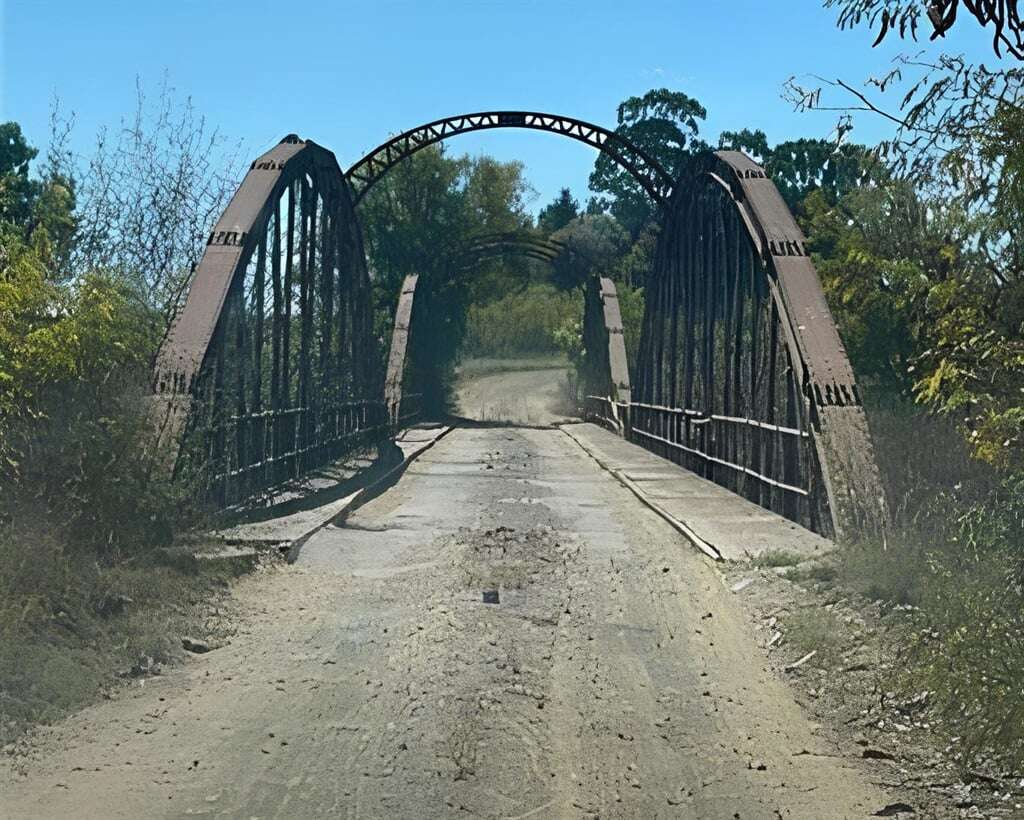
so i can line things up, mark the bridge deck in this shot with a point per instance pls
(734, 528)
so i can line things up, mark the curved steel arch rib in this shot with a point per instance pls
(268, 370)
(742, 375)
(654, 179)
(541, 249)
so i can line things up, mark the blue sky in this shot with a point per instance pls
(350, 74)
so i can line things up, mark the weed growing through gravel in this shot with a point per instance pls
(777, 558)
(819, 632)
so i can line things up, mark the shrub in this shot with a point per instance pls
(523, 323)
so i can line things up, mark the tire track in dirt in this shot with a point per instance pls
(615, 677)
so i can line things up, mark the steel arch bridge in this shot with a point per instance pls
(271, 368)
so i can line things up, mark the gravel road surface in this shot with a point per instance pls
(507, 632)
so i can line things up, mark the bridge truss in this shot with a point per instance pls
(654, 179)
(741, 375)
(271, 369)
(522, 243)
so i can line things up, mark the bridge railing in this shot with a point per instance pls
(727, 449)
(608, 412)
(246, 453)
(740, 374)
(410, 408)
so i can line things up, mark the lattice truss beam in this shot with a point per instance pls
(654, 179)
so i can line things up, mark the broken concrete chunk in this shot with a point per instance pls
(800, 662)
(195, 645)
(895, 810)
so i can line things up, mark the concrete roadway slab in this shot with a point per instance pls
(733, 527)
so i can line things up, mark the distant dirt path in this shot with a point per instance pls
(616, 677)
(536, 397)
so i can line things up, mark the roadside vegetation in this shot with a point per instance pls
(92, 263)
(921, 261)
(520, 324)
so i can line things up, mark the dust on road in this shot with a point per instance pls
(527, 396)
(614, 677)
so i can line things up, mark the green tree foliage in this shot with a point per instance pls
(665, 125)
(957, 157)
(419, 219)
(593, 247)
(879, 251)
(17, 191)
(521, 323)
(76, 344)
(53, 335)
(562, 210)
(39, 208)
(920, 311)
(923, 269)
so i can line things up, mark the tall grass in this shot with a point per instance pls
(955, 555)
(86, 588)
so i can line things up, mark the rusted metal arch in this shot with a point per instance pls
(268, 368)
(741, 373)
(515, 239)
(540, 249)
(606, 380)
(654, 179)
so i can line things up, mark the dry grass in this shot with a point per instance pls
(86, 589)
(820, 632)
(69, 628)
(954, 558)
(777, 558)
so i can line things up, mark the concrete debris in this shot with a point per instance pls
(801, 662)
(195, 645)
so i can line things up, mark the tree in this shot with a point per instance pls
(40, 209)
(904, 17)
(665, 125)
(593, 247)
(147, 197)
(879, 250)
(428, 207)
(17, 191)
(418, 219)
(959, 148)
(562, 210)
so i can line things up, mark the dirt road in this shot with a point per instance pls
(534, 396)
(614, 677)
